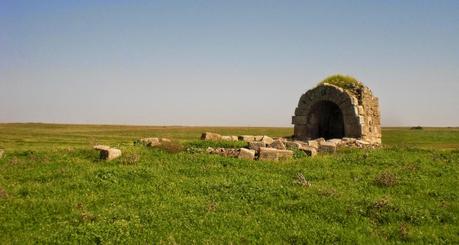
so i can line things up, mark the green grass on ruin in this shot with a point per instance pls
(345, 82)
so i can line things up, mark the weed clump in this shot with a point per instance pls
(301, 180)
(345, 82)
(386, 179)
(417, 128)
(130, 159)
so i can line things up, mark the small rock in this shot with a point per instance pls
(329, 147)
(246, 154)
(234, 138)
(292, 145)
(1, 152)
(247, 138)
(255, 145)
(150, 141)
(220, 151)
(362, 143)
(277, 144)
(320, 140)
(165, 140)
(210, 150)
(267, 140)
(109, 154)
(310, 151)
(313, 143)
(232, 152)
(210, 136)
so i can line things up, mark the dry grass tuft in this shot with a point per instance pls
(386, 179)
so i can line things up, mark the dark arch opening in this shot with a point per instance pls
(325, 119)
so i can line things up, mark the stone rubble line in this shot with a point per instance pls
(274, 149)
(260, 147)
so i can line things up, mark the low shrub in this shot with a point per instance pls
(386, 179)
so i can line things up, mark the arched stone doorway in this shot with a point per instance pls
(325, 120)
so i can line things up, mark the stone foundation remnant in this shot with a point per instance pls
(338, 107)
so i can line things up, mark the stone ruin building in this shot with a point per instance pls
(338, 107)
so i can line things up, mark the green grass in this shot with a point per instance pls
(53, 189)
(345, 82)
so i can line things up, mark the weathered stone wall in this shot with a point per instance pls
(359, 113)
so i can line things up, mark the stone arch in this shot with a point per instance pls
(327, 111)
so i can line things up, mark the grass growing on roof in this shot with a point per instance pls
(345, 82)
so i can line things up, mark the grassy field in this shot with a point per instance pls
(53, 189)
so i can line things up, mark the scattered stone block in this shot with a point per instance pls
(255, 145)
(107, 153)
(210, 136)
(267, 140)
(328, 147)
(247, 138)
(310, 151)
(101, 147)
(229, 138)
(292, 145)
(362, 143)
(272, 154)
(313, 143)
(268, 154)
(150, 141)
(226, 138)
(277, 144)
(246, 154)
(284, 154)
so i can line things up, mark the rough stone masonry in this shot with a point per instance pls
(330, 111)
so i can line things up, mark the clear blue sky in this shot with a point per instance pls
(223, 62)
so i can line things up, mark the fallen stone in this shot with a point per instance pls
(1, 152)
(328, 147)
(210, 136)
(362, 143)
(150, 141)
(107, 153)
(210, 150)
(310, 151)
(246, 154)
(292, 145)
(267, 140)
(277, 144)
(232, 152)
(220, 151)
(320, 140)
(230, 138)
(101, 147)
(284, 154)
(258, 137)
(272, 154)
(268, 154)
(255, 145)
(313, 143)
(247, 138)
(226, 138)
(165, 140)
